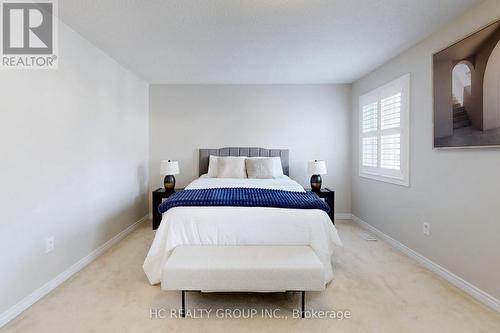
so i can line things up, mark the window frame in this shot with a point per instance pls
(398, 177)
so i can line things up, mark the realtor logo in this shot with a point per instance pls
(29, 38)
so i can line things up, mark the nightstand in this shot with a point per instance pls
(158, 196)
(329, 197)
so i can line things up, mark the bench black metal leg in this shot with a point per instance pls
(303, 303)
(183, 310)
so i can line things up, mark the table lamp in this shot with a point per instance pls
(168, 169)
(316, 168)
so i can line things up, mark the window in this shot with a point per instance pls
(384, 132)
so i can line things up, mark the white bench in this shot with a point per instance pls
(243, 269)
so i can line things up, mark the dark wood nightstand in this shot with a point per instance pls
(329, 196)
(158, 196)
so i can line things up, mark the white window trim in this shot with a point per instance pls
(403, 176)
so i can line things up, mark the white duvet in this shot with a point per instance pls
(242, 226)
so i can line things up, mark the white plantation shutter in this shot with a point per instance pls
(370, 139)
(390, 145)
(384, 132)
(370, 151)
(390, 109)
(370, 116)
(391, 152)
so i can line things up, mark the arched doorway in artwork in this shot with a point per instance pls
(491, 91)
(462, 90)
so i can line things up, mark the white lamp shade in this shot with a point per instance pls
(316, 167)
(168, 167)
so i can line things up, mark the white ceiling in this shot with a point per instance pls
(256, 41)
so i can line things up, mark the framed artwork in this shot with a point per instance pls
(466, 78)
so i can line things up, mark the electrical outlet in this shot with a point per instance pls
(49, 244)
(427, 229)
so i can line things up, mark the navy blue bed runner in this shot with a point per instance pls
(244, 197)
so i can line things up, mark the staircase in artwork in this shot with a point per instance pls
(460, 117)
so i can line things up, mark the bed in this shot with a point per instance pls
(241, 226)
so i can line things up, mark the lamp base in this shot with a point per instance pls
(316, 183)
(169, 183)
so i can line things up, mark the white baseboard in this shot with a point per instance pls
(29, 300)
(455, 280)
(343, 216)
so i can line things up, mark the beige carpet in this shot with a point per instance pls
(383, 290)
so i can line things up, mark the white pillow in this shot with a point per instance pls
(231, 167)
(212, 166)
(277, 167)
(262, 168)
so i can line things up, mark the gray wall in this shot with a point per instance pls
(455, 190)
(73, 162)
(311, 120)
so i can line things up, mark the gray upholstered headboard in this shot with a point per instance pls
(243, 151)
